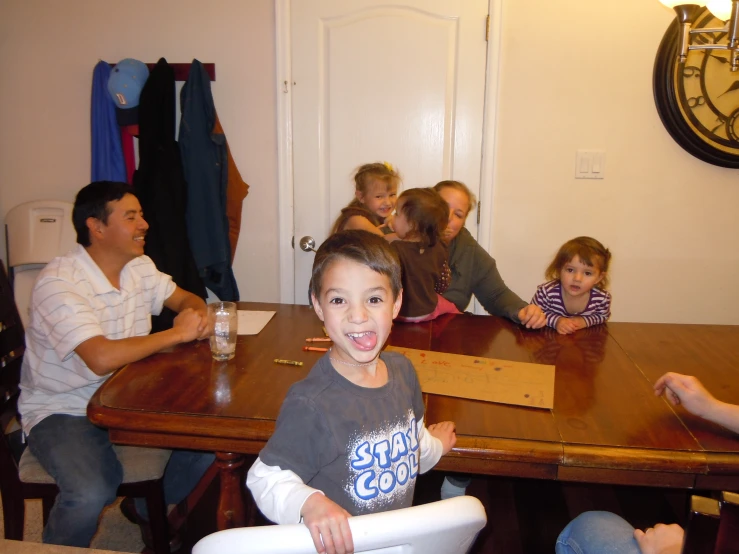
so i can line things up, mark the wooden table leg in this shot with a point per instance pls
(231, 511)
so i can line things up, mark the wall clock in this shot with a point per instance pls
(698, 101)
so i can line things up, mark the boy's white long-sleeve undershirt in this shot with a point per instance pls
(280, 493)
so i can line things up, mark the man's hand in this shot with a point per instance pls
(181, 300)
(103, 355)
(190, 324)
(532, 317)
(660, 539)
(685, 390)
(328, 525)
(208, 326)
(445, 431)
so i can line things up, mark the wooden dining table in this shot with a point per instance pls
(606, 426)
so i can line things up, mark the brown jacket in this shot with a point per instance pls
(236, 191)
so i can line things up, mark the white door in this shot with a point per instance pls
(402, 82)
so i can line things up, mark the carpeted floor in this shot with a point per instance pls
(114, 533)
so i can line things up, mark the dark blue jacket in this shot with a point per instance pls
(205, 163)
(161, 188)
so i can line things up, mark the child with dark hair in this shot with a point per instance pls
(350, 438)
(576, 295)
(420, 220)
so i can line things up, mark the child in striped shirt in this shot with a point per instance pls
(575, 297)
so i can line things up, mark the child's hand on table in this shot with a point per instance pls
(328, 525)
(568, 325)
(445, 431)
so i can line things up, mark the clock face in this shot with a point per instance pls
(698, 101)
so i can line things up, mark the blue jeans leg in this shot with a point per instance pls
(597, 533)
(80, 458)
(184, 470)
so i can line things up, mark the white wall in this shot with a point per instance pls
(48, 50)
(578, 74)
(574, 74)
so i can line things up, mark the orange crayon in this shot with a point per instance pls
(314, 349)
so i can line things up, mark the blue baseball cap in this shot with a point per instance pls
(126, 80)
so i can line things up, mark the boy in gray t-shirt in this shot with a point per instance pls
(353, 429)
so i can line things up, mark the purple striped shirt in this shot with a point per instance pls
(549, 298)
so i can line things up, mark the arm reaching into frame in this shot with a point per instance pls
(690, 392)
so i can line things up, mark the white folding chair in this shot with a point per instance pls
(444, 527)
(36, 232)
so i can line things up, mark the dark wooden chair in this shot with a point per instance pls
(22, 477)
(713, 525)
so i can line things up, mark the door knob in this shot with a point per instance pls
(307, 244)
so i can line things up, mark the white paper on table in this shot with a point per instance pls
(251, 322)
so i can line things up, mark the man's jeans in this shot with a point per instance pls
(597, 533)
(81, 459)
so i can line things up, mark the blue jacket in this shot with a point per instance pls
(107, 152)
(205, 163)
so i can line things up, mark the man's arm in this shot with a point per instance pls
(181, 300)
(103, 355)
(690, 392)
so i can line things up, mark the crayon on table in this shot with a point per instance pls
(314, 349)
(287, 362)
(319, 339)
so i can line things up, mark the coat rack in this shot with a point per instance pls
(182, 70)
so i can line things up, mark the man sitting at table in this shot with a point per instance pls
(599, 532)
(90, 314)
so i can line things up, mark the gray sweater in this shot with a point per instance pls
(474, 272)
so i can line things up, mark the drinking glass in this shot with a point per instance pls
(223, 316)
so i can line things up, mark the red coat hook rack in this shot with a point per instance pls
(182, 70)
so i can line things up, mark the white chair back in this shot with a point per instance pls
(36, 233)
(444, 527)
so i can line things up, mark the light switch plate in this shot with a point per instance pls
(590, 164)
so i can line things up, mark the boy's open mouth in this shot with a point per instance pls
(366, 340)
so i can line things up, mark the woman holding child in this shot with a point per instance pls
(473, 270)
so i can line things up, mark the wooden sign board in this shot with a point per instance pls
(487, 379)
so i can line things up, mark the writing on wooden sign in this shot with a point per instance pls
(488, 379)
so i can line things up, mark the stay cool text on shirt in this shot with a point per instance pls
(384, 467)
